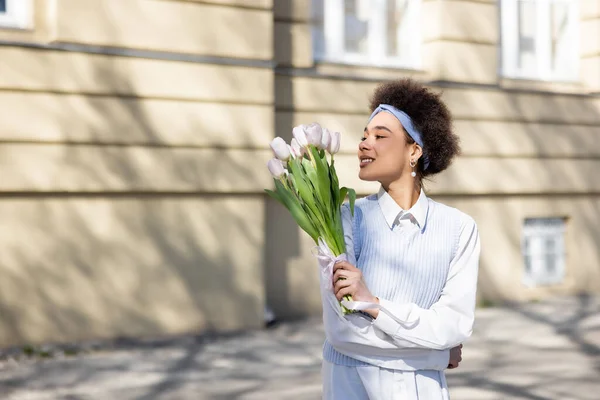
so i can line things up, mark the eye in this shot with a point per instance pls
(380, 137)
(362, 139)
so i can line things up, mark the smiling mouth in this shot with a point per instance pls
(364, 161)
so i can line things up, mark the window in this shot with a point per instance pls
(15, 14)
(543, 249)
(368, 32)
(540, 39)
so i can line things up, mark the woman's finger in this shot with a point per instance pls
(348, 290)
(344, 265)
(339, 274)
(345, 274)
(342, 283)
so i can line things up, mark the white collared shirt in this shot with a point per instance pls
(395, 216)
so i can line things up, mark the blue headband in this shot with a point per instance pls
(408, 127)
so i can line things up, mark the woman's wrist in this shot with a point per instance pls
(373, 312)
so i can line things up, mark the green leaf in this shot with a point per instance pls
(335, 196)
(352, 195)
(335, 183)
(310, 174)
(294, 185)
(274, 195)
(339, 230)
(295, 208)
(343, 194)
(321, 208)
(304, 190)
(310, 196)
(323, 184)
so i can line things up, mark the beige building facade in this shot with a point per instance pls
(134, 138)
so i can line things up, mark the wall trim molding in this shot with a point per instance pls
(313, 73)
(138, 53)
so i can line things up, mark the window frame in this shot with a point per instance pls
(509, 48)
(333, 37)
(18, 15)
(535, 233)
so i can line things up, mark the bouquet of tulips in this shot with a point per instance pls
(306, 183)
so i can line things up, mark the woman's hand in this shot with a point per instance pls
(455, 356)
(348, 281)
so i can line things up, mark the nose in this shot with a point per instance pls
(364, 145)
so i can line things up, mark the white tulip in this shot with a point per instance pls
(325, 139)
(297, 150)
(334, 145)
(300, 135)
(280, 149)
(276, 167)
(314, 133)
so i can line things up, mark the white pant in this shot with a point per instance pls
(373, 383)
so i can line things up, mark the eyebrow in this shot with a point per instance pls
(380, 127)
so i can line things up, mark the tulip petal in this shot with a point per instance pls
(334, 145)
(275, 167)
(300, 135)
(297, 150)
(280, 149)
(314, 132)
(325, 139)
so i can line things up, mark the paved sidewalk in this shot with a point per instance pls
(549, 350)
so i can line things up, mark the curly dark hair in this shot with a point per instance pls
(429, 115)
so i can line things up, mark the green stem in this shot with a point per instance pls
(284, 182)
(310, 156)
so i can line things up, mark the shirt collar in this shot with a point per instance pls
(391, 210)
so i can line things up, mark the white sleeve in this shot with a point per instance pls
(428, 359)
(449, 321)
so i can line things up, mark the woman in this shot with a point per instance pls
(413, 259)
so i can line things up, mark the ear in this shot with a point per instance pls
(415, 152)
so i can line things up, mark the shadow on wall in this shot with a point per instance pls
(126, 255)
(282, 241)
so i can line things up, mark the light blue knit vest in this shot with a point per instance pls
(401, 265)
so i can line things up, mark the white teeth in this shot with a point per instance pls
(367, 160)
